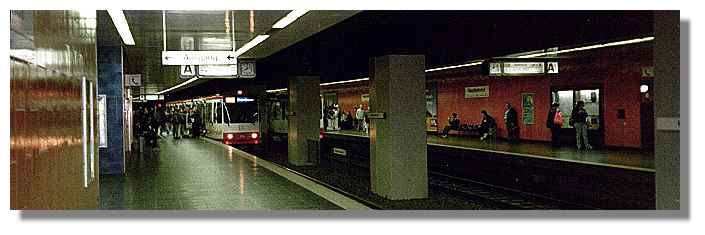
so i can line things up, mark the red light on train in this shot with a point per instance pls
(229, 136)
(254, 135)
(239, 92)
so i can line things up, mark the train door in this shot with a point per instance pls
(592, 97)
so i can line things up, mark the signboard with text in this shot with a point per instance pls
(198, 57)
(520, 68)
(477, 92)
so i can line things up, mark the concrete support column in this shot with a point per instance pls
(667, 109)
(304, 114)
(110, 84)
(398, 166)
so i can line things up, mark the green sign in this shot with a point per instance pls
(527, 106)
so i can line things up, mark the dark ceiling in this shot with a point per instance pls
(342, 51)
(445, 38)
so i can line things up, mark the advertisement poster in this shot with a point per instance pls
(431, 108)
(527, 106)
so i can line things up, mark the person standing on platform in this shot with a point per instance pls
(197, 124)
(578, 119)
(178, 120)
(510, 120)
(336, 118)
(360, 117)
(554, 121)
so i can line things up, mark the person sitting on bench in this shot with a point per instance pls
(487, 123)
(453, 124)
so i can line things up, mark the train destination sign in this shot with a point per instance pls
(522, 68)
(198, 57)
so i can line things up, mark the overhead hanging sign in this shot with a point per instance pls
(521, 68)
(198, 57)
(217, 70)
(247, 69)
(188, 71)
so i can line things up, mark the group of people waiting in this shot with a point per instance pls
(578, 120)
(153, 123)
(554, 121)
(355, 120)
(488, 124)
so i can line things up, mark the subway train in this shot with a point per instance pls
(232, 120)
(275, 115)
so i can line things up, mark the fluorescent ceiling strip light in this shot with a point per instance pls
(288, 19)
(347, 81)
(455, 66)
(120, 23)
(177, 86)
(632, 41)
(249, 45)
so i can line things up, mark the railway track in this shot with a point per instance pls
(498, 196)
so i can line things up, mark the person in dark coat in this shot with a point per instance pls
(511, 122)
(453, 124)
(487, 123)
(197, 124)
(555, 127)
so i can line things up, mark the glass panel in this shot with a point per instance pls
(565, 101)
(243, 112)
(592, 106)
(218, 113)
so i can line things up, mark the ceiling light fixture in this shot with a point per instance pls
(177, 86)
(289, 18)
(625, 42)
(249, 45)
(123, 29)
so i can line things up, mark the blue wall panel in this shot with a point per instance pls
(110, 84)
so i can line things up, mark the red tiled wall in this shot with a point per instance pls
(616, 71)
(347, 99)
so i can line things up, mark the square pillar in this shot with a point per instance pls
(110, 84)
(304, 114)
(667, 91)
(398, 167)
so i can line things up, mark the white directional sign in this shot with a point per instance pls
(198, 57)
(188, 71)
(217, 70)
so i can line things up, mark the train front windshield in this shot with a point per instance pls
(243, 110)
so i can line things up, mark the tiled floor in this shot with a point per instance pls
(192, 174)
(617, 158)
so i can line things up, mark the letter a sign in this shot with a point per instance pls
(552, 67)
(187, 71)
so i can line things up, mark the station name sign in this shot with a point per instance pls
(520, 68)
(198, 57)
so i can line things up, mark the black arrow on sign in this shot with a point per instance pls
(230, 57)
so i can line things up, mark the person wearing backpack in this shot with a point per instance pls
(578, 119)
(554, 121)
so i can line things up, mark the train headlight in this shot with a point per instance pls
(254, 135)
(229, 136)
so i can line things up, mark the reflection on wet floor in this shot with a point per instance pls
(622, 157)
(190, 174)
